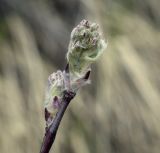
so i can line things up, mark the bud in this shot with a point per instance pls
(53, 96)
(85, 46)
(58, 83)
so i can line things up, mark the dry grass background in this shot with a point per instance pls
(118, 113)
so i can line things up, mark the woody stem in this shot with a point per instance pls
(52, 130)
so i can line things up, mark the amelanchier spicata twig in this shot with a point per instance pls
(85, 47)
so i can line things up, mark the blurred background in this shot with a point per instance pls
(118, 113)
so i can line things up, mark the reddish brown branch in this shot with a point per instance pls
(52, 130)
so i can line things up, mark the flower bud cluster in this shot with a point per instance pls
(86, 45)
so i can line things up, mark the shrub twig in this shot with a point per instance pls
(50, 134)
(85, 47)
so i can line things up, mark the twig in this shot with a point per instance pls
(80, 56)
(52, 130)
